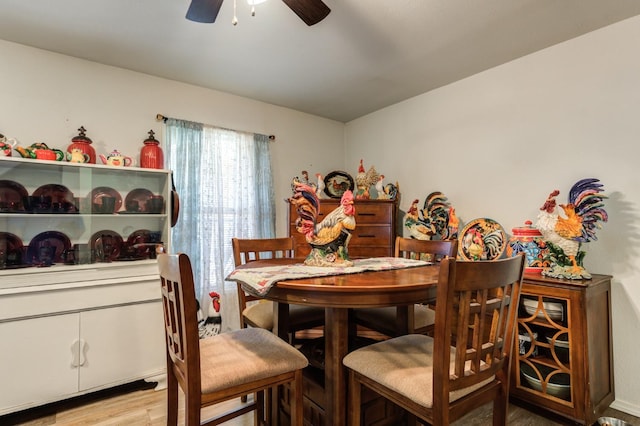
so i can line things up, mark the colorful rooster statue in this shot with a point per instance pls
(437, 219)
(415, 224)
(211, 325)
(364, 181)
(565, 235)
(391, 191)
(330, 237)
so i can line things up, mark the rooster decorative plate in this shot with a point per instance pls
(482, 239)
(337, 183)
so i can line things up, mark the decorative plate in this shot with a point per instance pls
(11, 195)
(337, 183)
(11, 246)
(105, 191)
(47, 248)
(139, 245)
(482, 239)
(58, 193)
(139, 195)
(106, 245)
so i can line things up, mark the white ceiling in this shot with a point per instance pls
(367, 54)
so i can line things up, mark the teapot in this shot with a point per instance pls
(77, 156)
(7, 145)
(40, 151)
(115, 158)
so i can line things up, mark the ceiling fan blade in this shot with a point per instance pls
(310, 11)
(204, 11)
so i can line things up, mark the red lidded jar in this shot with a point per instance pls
(151, 156)
(83, 143)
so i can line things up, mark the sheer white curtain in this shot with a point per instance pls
(225, 185)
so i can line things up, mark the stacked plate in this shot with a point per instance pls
(553, 309)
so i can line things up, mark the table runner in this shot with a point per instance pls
(262, 279)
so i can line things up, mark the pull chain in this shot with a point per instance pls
(234, 21)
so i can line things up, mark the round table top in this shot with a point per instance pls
(366, 289)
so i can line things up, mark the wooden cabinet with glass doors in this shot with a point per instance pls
(563, 360)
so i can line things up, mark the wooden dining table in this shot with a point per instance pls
(337, 294)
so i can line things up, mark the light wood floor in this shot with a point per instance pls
(136, 406)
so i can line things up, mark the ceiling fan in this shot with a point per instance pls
(310, 11)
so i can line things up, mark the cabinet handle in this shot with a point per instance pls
(366, 236)
(75, 354)
(83, 352)
(365, 214)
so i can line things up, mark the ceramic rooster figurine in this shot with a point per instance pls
(437, 219)
(330, 237)
(211, 325)
(565, 235)
(364, 181)
(415, 224)
(320, 185)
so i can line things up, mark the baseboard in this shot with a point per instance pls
(160, 379)
(626, 407)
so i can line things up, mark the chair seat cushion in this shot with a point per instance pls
(261, 314)
(423, 316)
(246, 355)
(405, 365)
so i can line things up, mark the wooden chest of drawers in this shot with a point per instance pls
(375, 233)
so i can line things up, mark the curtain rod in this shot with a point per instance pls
(160, 117)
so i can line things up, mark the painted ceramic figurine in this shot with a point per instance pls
(77, 156)
(437, 219)
(329, 238)
(320, 185)
(40, 151)
(211, 324)
(364, 181)
(7, 145)
(380, 188)
(565, 234)
(115, 158)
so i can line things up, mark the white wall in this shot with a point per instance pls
(46, 97)
(498, 142)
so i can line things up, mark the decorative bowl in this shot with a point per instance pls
(559, 385)
(612, 421)
(561, 347)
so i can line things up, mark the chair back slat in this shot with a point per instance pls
(429, 250)
(249, 250)
(477, 307)
(180, 312)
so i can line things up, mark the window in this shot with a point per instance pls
(224, 181)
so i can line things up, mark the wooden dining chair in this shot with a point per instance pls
(222, 367)
(465, 365)
(384, 320)
(260, 312)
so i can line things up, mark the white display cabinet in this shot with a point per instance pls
(80, 303)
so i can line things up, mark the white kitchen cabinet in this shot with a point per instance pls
(71, 325)
(37, 360)
(62, 339)
(121, 343)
